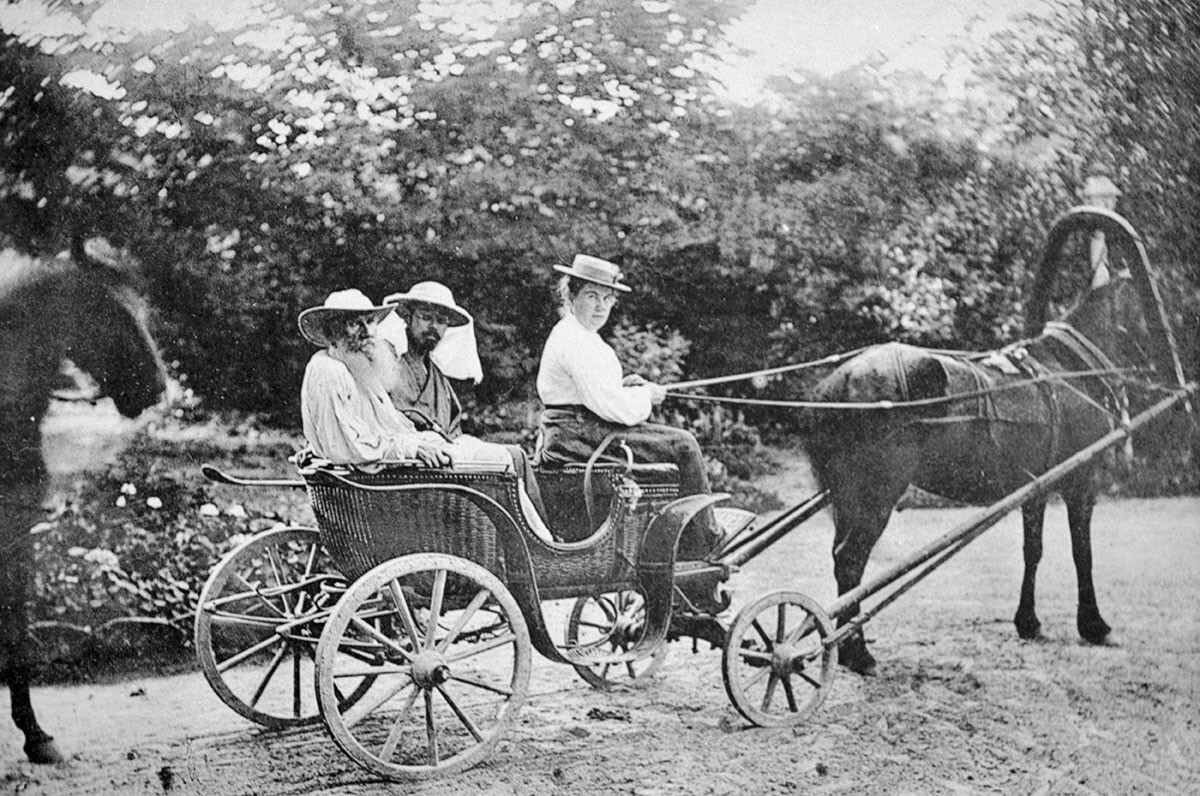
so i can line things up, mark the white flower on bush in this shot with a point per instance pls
(154, 502)
(210, 510)
(105, 558)
(128, 489)
(120, 501)
(236, 511)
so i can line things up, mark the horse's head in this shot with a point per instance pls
(106, 321)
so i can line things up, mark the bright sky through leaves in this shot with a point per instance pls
(827, 36)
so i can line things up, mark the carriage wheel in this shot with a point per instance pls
(257, 626)
(776, 663)
(615, 620)
(449, 651)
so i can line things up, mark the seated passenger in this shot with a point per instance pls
(587, 399)
(433, 340)
(347, 413)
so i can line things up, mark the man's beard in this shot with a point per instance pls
(422, 345)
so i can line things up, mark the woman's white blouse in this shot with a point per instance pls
(578, 367)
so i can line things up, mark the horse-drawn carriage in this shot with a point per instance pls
(404, 620)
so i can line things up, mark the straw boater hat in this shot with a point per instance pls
(593, 269)
(344, 304)
(435, 294)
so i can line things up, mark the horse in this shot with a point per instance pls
(1014, 419)
(86, 308)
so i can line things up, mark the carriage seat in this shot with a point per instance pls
(645, 473)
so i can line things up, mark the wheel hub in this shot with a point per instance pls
(786, 659)
(430, 669)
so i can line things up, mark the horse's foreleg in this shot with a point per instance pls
(859, 521)
(16, 564)
(1032, 515)
(1080, 502)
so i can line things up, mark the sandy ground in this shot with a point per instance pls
(960, 706)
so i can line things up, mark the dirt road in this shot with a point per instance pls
(960, 706)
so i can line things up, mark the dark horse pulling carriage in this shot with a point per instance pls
(414, 603)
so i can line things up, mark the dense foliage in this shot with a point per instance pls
(259, 161)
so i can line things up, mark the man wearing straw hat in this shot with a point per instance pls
(588, 402)
(434, 339)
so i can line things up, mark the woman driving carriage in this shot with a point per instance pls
(589, 403)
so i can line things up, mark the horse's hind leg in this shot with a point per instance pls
(19, 510)
(1080, 498)
(1033, 515)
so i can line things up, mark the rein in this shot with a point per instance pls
(891, 405)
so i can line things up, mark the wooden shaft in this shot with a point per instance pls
(969, 531)
(764, 537)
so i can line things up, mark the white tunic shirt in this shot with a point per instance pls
(349, 425)
(578, 367)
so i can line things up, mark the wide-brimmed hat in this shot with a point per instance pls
(341, 303)
(434, 294)
(593, 269)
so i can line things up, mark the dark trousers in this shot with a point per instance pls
(572, 435)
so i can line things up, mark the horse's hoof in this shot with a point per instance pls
(1098, 634)
(1030, 631)
(1031, 634)
(870, 669)
(43, 751)
(1107, 640)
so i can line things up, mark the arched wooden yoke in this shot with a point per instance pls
(1120, 236)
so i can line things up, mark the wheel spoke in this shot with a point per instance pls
(766, 639)
(375, 633)
(277, 567)
(393, 739)
(462, 717)
(772, 681)
(754, 655)
(464, 617)
(249, 652)
(789, 693)
(296, 659)
(781, 623)
(802, 630)
(406, 614)
(435, 607)
(262, 686)
(361, 710)
(430, 728)
(465, 679)
(757, 678)
(482, 647)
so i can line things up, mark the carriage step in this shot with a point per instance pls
(593, 654)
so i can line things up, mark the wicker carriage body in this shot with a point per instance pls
(368, 518)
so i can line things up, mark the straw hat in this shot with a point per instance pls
(434, 294)
(593, 269)
(344, 304)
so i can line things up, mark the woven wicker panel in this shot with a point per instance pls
(363, 528)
